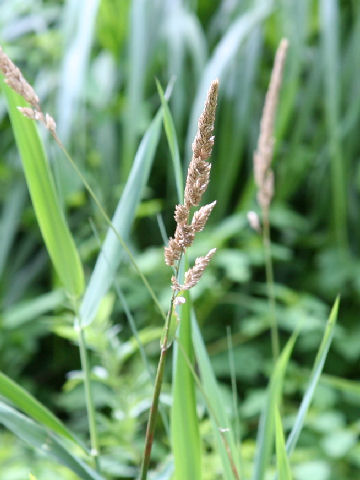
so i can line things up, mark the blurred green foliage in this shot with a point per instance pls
(94, 66)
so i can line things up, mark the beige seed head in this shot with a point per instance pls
(193, 275)
(264, 177)
(181, 214)
(201, 216)
(16, 81)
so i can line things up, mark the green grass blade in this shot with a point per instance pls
(184, 422)
(39, 438)
(265, 436)
(138, 49)
(29, 310)
(330, 44)
(172, 142)
(10, 219)
(224, 53)
(79, 25)
(314, 378)
(282, 462)
(111, 252)
(57, 237)
(32, 407)
(213, 393)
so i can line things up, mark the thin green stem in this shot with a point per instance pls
(110, 224)
(270, 284)
(156, 395)
(90, 407)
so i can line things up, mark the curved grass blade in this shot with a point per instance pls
(52, 223)
(32, 407)
(172, 142)
(282, 462)
(111, 252)
(10, 219)
(213, 393)
(28, 310)
(314, 378)
(44, 441)
(265, 435)
(224, 54)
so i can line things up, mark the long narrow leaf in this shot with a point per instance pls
(32, 407)
(217, 404)
(172, 142)
(314, 378)
(265, 438)
(44, 441)
(54, 229)
(111, 252)
(328, 13)
(224, 53)
(184, 422)
(282, 462)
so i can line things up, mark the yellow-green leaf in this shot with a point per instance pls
(51, 220)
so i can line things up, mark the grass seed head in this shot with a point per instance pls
(197, 180)
(264, 177)
(16, 81)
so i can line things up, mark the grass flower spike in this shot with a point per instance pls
(264, 179)
(264, 176)
(16, 81)
(197, 180)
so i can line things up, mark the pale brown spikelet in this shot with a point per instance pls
(204, 140)
(181, 214)
(16, 81)
(193, 275)
(50, 123)
(264, 177)
(254, 221)
(184, 235)
(47, 120)
(201, 216)
(172, 252)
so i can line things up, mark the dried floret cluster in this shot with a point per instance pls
(16, 81)
(197, 180)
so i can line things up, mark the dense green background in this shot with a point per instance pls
(94, 66)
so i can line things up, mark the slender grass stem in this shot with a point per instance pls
(270, 284)
(156, 395)
(90, 407)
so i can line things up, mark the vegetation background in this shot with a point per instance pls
(94, 64)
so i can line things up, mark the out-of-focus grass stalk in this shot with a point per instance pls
(264, 179)
(269, 274)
